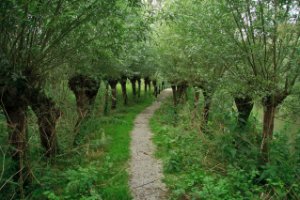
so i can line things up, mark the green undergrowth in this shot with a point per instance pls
(94, 170)
(224, 162)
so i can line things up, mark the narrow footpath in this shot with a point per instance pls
(145, 170)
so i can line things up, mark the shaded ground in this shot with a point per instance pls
(145, 170)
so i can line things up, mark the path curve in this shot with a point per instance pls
(145, 170)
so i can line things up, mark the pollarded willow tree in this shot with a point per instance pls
(136, 50)
(36, 38)
(149, 64)
(197, 46)
(267, 33)
(253, 44)
(104, 58)
(172, 59)
(213, 57)
(142, 64)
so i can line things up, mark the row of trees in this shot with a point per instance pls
(90, 41)
(249, 48)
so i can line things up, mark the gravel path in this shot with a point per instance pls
(145, 170)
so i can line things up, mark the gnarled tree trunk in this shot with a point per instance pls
(113, 85)
(244, 106)
(14, 105)
(47, 114)
(85, 89)
(270, 104)
(123, 81)
(182, 92)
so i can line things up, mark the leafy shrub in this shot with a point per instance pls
(224, 163)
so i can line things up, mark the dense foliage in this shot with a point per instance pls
(49, 48)
(224, 164)
(243, 56)
(60, 65)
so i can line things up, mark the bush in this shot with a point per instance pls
(224, 163)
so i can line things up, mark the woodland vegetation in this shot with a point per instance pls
(74, 74)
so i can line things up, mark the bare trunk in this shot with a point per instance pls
(47, 115)
(14, 106)
(268, 128)
(139, 87)
(113, 85)
(85, 89)
(17, 122)
(182, 92)
(106, 98)
(124, 89)
(270, 104)
(147, 84)
(244, 106)
(133, 84)
(154, 82)
(174, 90)
(206, 108)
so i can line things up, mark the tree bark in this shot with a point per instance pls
(14, 105)
(174, 90)
(106, 98)
(268, 128)
(154, 82)
(206, 108)
(270, 104)
(85, 89)
(47, 114)
(139, 87)
(123, 81)
(159, 88)
(182, 92)
(147, 84)
(244, 106)
(113, 85)
(133, 84)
